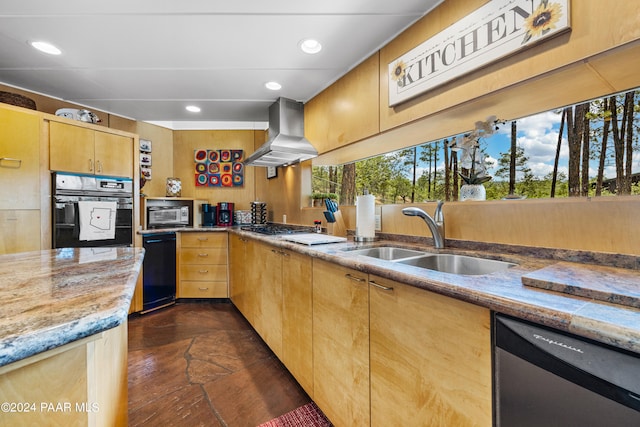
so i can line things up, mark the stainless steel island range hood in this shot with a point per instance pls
(286, 144)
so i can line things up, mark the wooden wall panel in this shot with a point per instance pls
(184, 144)
(607, 224)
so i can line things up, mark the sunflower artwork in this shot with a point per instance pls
(219, 168)
(542, 20)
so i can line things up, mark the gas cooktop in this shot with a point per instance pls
(274, 229)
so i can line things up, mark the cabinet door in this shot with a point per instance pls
(71, 148)
(341, 343)
(267, 264)
(237, 277)
(430, 359)
(19, 160)
(297, 299)
(19, 231)
(113, 155)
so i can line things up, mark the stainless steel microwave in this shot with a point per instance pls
(167, 216)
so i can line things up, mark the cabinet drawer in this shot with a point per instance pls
(203, 272)
(196, 289)
(203, 256)
(200, 240)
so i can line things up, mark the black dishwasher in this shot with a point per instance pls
(158, 271)
(546, 377)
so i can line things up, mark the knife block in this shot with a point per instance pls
(337, 228)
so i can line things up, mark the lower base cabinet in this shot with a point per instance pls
(297, 320)
(368, 350)
(202, 265)
(19, 230)
(430, 358)
(341, 343)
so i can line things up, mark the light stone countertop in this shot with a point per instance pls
(503, 291)
(54, 297)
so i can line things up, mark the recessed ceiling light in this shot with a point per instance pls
(273, 85)
(193, 108)
(46, 48)
(310, 46)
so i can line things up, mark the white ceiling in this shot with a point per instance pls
(148, 59)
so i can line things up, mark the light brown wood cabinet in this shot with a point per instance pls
(19, 180)
(430, 358)
(341, 343)
(19, 159)
(347, 111)
(83, 150)
(202, 265)
(265, 283)
(297, 318)
(272, 288)
(238, 271)
(368, 350)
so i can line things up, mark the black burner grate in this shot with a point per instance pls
(274, 229)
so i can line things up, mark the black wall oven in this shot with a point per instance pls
(91, 211)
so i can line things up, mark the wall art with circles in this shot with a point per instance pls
(219, 168)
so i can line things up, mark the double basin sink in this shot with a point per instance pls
(445, 263)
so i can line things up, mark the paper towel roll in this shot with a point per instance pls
(365, 216)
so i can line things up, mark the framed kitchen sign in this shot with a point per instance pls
(494, 31)
(272, 172)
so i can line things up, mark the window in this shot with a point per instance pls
(588, 149)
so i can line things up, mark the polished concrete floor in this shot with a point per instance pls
(201, 364)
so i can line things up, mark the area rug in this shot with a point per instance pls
(308, 415)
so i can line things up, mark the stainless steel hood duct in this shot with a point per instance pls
(286, 144)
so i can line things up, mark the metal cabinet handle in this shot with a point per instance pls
(203, 289)
(352, 277)
(379, 286)
(90, 165)
(203, 271)
(10, 159)
(203, 239)
(203, 255)
(98, 165)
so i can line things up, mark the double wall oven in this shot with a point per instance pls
(108, 202)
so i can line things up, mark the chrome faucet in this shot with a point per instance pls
(436, 224)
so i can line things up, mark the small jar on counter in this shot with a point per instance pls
(318, 226)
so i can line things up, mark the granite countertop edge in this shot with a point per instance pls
(75, 306)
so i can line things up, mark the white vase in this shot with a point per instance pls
(473, 192)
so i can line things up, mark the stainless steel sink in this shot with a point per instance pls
(458, 264)
(389, 253)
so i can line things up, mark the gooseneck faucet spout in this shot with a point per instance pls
(436, 226)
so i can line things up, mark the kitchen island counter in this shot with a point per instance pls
(54, 297)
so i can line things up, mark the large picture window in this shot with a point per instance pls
(584, 150)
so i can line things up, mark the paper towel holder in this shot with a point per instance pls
(358, 237)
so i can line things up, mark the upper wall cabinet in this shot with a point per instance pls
(83, 150)
(347, 111)
(19, 158)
